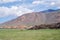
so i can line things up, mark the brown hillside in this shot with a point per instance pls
(31, 19)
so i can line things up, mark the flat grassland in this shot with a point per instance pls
(42, 34)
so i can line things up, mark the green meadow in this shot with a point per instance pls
(42, 34)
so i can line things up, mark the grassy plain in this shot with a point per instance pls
(42, 34)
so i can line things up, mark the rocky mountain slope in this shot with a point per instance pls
(34, 18)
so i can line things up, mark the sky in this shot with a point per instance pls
(10, 9)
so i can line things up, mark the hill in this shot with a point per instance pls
(34, 18)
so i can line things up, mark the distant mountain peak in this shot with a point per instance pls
(50, 10)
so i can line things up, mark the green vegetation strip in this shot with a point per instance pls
(42, 34)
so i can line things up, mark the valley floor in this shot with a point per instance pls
(42, 34)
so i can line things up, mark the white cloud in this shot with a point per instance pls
(52, 3)
(14, 10)
(47, 3)
(22, 10)
(37, 2)
(3, 11)
(6, 1)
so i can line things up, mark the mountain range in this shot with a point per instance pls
(35, 18)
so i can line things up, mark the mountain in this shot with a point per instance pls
(50, 10)
(53, 17)
(34, 18)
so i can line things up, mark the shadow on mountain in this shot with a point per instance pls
(45, 26)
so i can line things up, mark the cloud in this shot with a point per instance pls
(14, 10)
(6, 1)
(47, 3)
(52, 3)
(20, 9)
(3, 11)
(37, 2)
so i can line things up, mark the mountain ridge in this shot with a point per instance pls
(34, 18)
